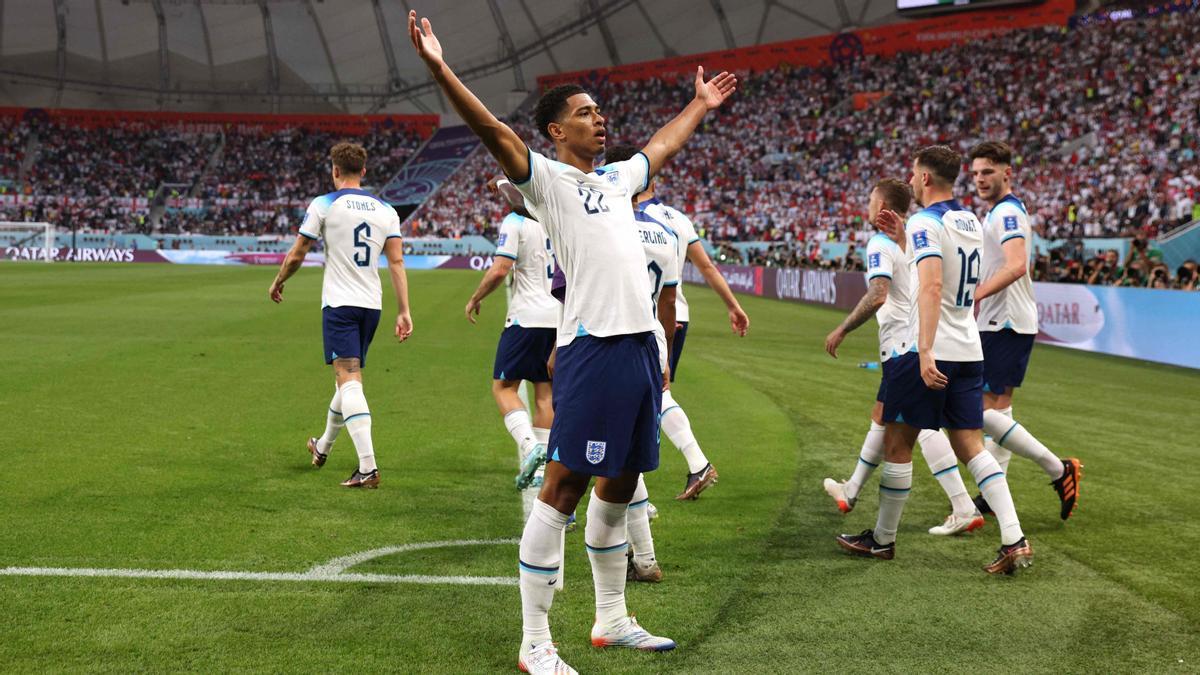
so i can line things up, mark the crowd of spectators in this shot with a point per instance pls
(1105, 118)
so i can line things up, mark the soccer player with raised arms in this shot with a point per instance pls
(1008, 322)
(356, 227)
(529, 333)
(607, 384)
(890, 282)
(940, 385)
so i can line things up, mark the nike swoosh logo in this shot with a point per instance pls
(553, 581)
(878, 550)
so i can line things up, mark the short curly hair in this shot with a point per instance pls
(943, 161)
(552, 104)
(351, 158)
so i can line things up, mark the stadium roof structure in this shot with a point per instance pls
(328, 56)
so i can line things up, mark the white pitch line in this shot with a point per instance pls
(332, 571)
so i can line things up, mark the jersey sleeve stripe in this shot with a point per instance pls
(394, 236)
(927, 255)
(529, 176)
(670, 283)
(647, 183)
(693, 241)
(1014, 235)
(310, 236)
(885, 275)
(506, 255)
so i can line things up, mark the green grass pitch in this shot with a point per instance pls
(156, 417)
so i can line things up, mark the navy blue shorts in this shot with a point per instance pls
(1005, 358)
(908, 400)
(607, 398)
(348, 332)
(522, 354)
(677, 346)
(881, 395)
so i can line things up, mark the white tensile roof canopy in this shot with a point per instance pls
(329, 56)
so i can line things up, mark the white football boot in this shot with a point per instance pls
(955, 524)
(837, 490)
(543, 659)
(627, 633)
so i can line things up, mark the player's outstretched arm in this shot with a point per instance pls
(670, 139)
(738, 320)
(491, 281)
(394, 249)
(500, 140)
(868, 305)
(929, 310)
(1014, 268)
(291, 262)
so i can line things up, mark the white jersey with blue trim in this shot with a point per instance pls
(524, 241)
(1014, 307)
(886, 259)
(682, 225)
(589, 219)
(954, 234)
(354, 224)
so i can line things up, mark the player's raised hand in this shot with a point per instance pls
(739, 321)
(276, 292)
(404, 326)
(473, 307)
(424, 41)
(890, 223)
(934, 379)
(834, 340)
(714, 92)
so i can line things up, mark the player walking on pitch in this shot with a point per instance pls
(675, 423)
(607, 380)
(1008, 323)
(529, 332)
(941, 384)
(356, 227)
(890, 282)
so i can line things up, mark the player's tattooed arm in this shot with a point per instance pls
(868, 305)
(291, 262)
(670, 139)
(500, 140)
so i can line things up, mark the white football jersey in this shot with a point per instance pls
(885, 258)
(682, 225)
(589, 219)
(954, 234)
(1013, 307)
(525, 242)
(354, 224)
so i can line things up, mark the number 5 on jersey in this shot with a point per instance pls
(362, 234)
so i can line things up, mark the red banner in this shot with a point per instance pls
(353, 125)
(921, 35)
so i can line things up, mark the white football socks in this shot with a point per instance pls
(994, 487)
(640, 539)
(895, 482)
(333, 423)
(678, 427)
(1009, 434)
(540, 562)
(944, 465)
(606, 545)
(868, 458)
(357, 418)
(518, 425)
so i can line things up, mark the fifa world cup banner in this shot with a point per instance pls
(433, 164)
(819, 287)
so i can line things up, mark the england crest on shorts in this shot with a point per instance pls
(595, 451)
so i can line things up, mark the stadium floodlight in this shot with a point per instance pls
(27, 241)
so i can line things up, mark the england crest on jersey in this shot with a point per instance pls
(595, 451)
